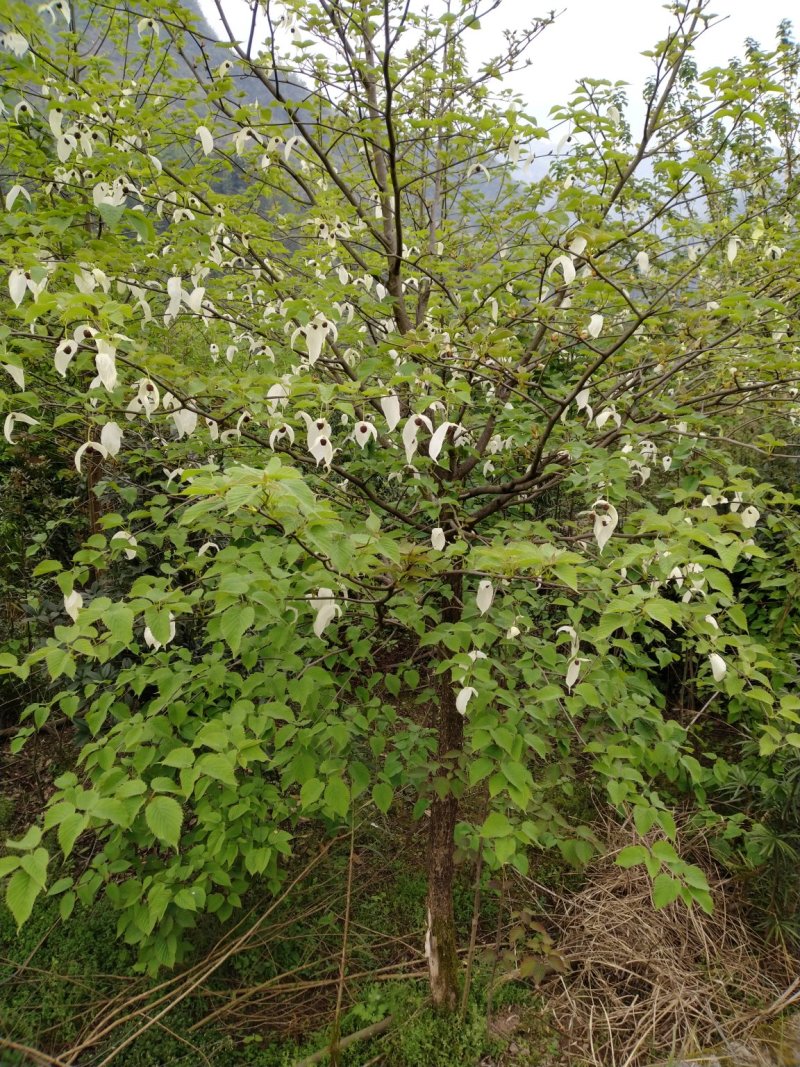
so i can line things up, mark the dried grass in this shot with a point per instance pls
(643, 983)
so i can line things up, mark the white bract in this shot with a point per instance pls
(606, 520)
(364, 432)
(95, 446)
(438, 539)
(719, 668)
(438, 438)
(485, 595)
(111, 438)
(412, 427)
(595, 326)
(73, 602)
(326, 608)
(206, 139)
(12, 418)
(464, 696)
(281, 435)
(566, 266)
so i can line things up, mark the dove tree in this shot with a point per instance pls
(414, 430)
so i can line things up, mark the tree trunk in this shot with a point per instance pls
(440, 939)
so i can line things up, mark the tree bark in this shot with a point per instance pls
(440, 939)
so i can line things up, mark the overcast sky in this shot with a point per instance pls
(592, 38)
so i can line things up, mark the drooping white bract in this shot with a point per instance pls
(13, 193)
(276, 397)
(282, 434)
(326, 608)
(595, 326)
(315, 428)
(129, 539)
(14, 417)
(414, 424)
(438, 539)
(485, 595)
(15, 43)
(95, 446)
(750, 517)
(362, 433)
(574, 639)
(315, 334)
(185, 420)
(438, 439)
(16, 373)
(106, 363)
(322, 451)
(111, 438)
(732, 250)
(147, 25)
(206, 547)
(719, 667)
(609, 413)
(643, 262)
(390, 409)
(513, 632)
(606, 520)
(73, 602)
(146, 400)
(206, 139)
(567, 268)
(573, 672)
(462, 700)
(17, 285)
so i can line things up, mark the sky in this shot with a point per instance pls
(591, 38)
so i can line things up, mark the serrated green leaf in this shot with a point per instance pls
(21, 893)
(165, 818)
(337, 796)
(630, 856)
(665, 890)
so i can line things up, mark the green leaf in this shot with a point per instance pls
(632, 855)
(30, 840)
(234, 623)
(66, 904)
(165, 818)
(310, 792)
(60, 661)
(35, 864)
(496, 825)
(663, 611)
(118, 618)
(382, 794)
(665, 890)
(337, 796)
(480, 768)
(21, 892)
(644, 818)
(8, 864)
(178, 757)
(215, 765)
(69, 830)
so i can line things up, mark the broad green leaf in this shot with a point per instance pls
(165, 818)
